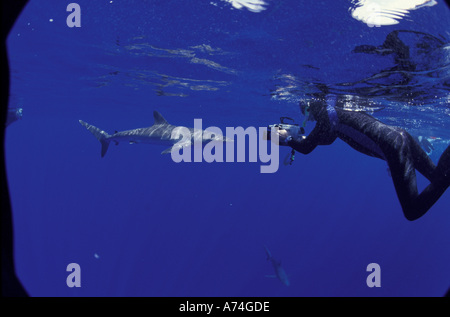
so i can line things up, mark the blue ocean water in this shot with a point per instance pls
(139, 224)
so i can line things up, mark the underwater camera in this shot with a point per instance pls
(293, 129)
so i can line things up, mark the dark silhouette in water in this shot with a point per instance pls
(415, 55)
(11, 285)
(393, 45)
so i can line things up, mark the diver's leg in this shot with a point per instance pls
(404, 178)
(442, 172)
(401, 164)
(440, 182)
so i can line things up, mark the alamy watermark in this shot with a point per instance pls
(209, 144)
(374, 278)
(74, 278)
(74, 18)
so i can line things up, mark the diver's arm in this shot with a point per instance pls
(320, 135)
(304, 146)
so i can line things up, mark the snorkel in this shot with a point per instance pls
(306, 118)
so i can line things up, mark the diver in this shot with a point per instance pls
(370, 136)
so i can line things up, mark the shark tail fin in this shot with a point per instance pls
(101, 135)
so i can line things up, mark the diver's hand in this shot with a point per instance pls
(283, 136)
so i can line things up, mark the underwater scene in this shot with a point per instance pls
(230, 148)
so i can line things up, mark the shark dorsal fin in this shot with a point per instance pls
(159, 119)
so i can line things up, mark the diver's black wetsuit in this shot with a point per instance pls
(394, 145)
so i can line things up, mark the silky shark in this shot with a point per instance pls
(279, 271)
(161, 132)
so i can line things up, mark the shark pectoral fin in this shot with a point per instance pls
(271, 276)
(177, 147)
(167, 151)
